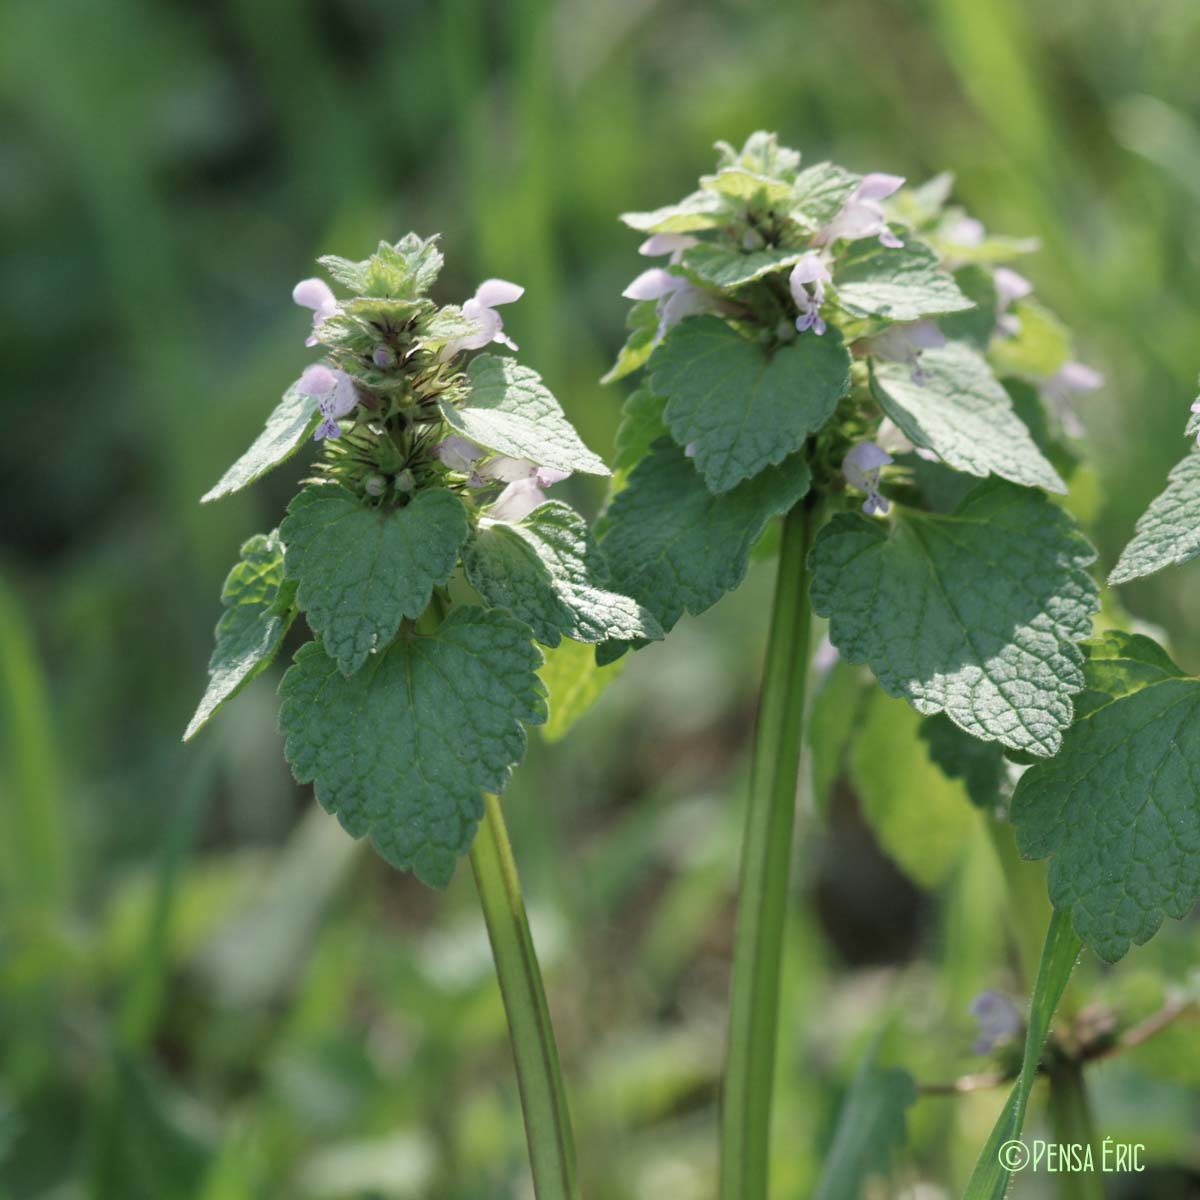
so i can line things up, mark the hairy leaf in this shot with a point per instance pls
(511, 410)
(545, 570)
(1168, 532)
(700, 210)
(728, 267)
(958, 409)
(642, 424)
(819, 194)
(975, 614)
(743, 407)
(673, 545)
(903, 284)
(403, 750)
(294, 418)
(361, 570)
(259, 609)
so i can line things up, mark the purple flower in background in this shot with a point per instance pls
(1009, 287)
(905, 343)
(337, 397)
(677, 297)
(317, 295)
(861, 469)
(999, 1021)
(460, 454)
(525, 480)
(807, 285)
(862, 215)
(480, 310)
(1060, 389)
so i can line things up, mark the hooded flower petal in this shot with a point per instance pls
(861, 469)
(493, 292)
(459, 454)
(480, 310)
(517, 500)
(807, 284)
(904, 343)
(317, 295)
(861, 216)
(877, 186)
(653, 284)
(673, 244)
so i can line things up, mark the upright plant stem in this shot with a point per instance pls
(543, 1099)
(1071, 1119)
(766, 859)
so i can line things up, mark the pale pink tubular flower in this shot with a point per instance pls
(480, 310)
(338, 397)
(1061, 387)
(459, 454)
(677, 297)
(862, 215)
(861, 469)
(525, 480)
(905, 343)
(807, 285)
(1010, 287)
(317, 295)
(673, 244)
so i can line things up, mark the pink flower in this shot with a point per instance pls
(525, 480)
(338, 397)
(862, 215)
(677, 297)
(480, 310)
(861, 469)
(905, 343)
(807, 285)
(317, 295)
(1059, 391)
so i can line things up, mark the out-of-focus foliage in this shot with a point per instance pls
(206, 989)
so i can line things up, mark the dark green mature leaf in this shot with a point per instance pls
(958, 409)
(1118, 811)
(989, 1180)
(975, 325)
(980, 765)
(904, 284)
(642, 424)
(642, 324)
(743, 407)
(819, 194)
(259, 609)
(403, 749)
(975, 614)
(511, 410)
(673, 545)
(545, 570)
(871, 1130)
(1168, 532)
(294, 419)
(728, 267)
(361, 570)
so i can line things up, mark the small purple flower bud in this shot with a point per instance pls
(375, 485)
(383, 357)
(999, 1021)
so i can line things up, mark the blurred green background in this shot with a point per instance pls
(206, 990)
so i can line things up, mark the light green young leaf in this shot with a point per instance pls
(975, 614)
(361, 569)
(762, 154)
(574, 682)
(510, 410)
(728, 267)
(819, 194)
(747, 187)
(1168, 532)
(958, 755)
(1118, 810)
(545, 570)
(1041, 346)
(961, 412)
(259, 609)
(744, 407)
(403, 749)
(294, 419)
(673, 545)
(1119, 663)
(919, 815)
(871, 1130)
(642, 324)
(700, 210)
(403, 271)
(904, 284)
(989, 1180)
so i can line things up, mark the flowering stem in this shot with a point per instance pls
(1071, 1119)
(766, 859)
(543, 1098)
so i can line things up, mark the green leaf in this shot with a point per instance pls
(975, 614)
(903, 284)
(819, 194)
(642, 424)
(545, 570)
(989, 1180)
(1041, 347)
(403, 271)
(1168, 532)
(871, 1130)
(259, 609)
(361, 569)
(1119, 663)
(294, 418)
(1118, 810)
(975, 325)
(961, 412)
(920, 817)
(402, 750)
(574, 682)
(980, 765)
(700, 210)
(743, 407)
(747, 187)
(642, 323)
(673, 545)
(762, 154)
(726, 267)
(511, 410)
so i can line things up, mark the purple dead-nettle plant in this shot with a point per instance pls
(430, 567)
(854, 361)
